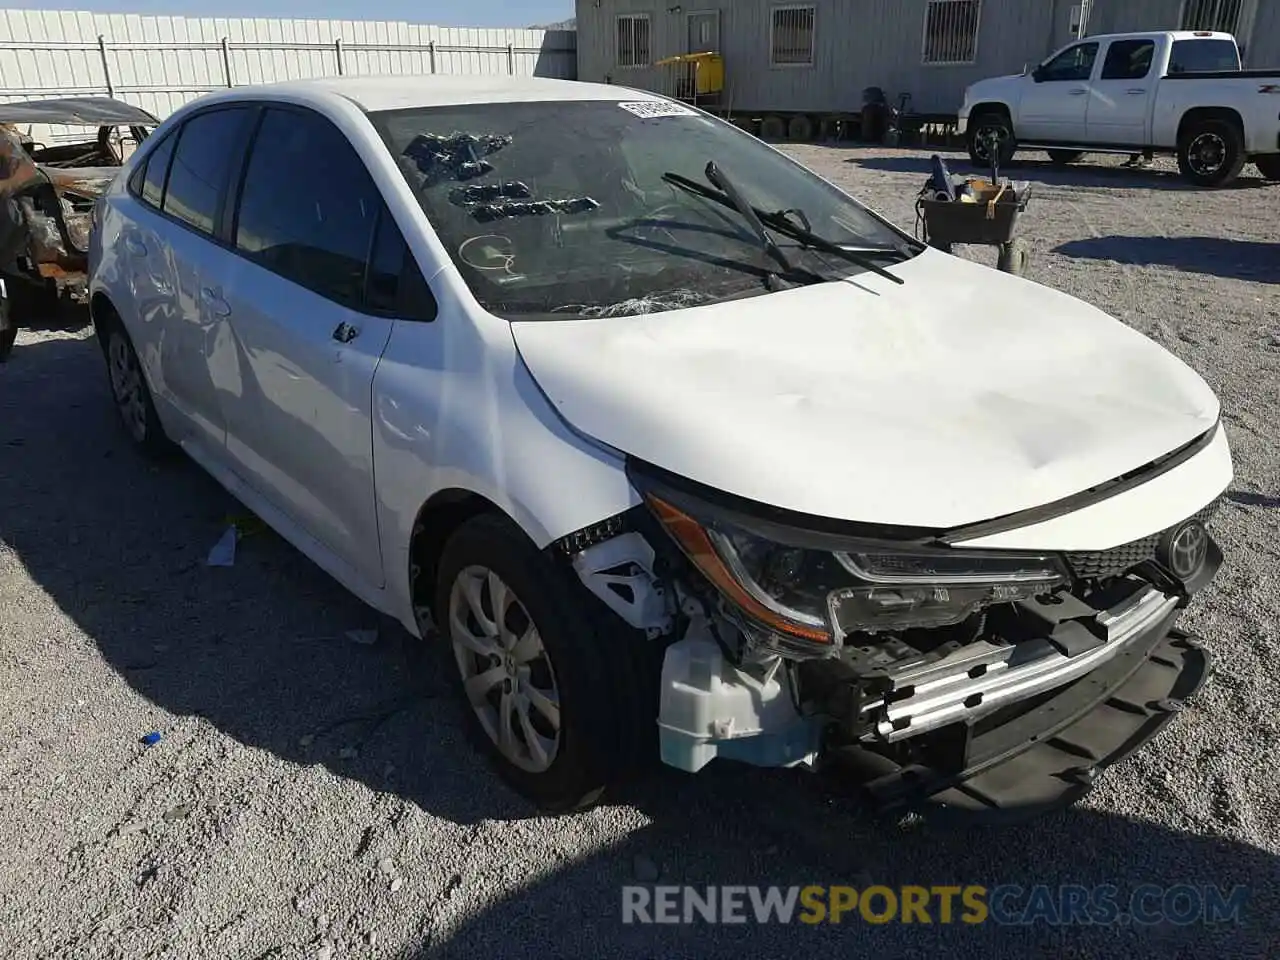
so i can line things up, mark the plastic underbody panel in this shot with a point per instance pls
(1047, 755)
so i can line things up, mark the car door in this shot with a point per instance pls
(175, 260)
(1056, 99)
(148, 274)
(1120, 96)
(308, 324)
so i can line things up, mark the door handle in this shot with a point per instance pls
(1077, 92)
(345, 332)
(1135, 91)
(215, 303)
(135, 247)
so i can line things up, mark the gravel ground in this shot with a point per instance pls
(312, 797)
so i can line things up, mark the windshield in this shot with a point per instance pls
(566, 208)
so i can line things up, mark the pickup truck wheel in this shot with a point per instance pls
(1268, 165)
(1211, 153)
(1064, 157)
(132, 396)
(995, 126)
(558, 696)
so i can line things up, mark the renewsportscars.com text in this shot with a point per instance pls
(1006, 904)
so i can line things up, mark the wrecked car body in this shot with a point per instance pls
(47, 194)
(679, 449)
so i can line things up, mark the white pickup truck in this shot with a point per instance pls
(1183, 93)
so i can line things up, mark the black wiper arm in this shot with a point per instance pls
(780, 223)
(749, 213)
(722, 183)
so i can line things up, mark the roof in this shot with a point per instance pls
(399, 93)
(1172, 34)
(91, 111)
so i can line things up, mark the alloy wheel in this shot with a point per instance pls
(1207, 154)
(506, 672)
(127, 385)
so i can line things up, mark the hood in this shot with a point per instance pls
(962, 395)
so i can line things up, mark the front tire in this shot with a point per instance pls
(994, 126)
(1211, 153)
(1268, 165)
(132, 396)
(561, 697)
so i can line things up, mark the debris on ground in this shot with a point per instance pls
(223, 553)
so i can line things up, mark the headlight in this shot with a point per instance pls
(820, 596)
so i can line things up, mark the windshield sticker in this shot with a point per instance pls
(489, 192)
(648, 109)
(488, 212)
(457, 157)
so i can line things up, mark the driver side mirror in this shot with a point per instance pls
(1038, 74)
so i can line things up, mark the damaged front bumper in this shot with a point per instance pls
(990, 727)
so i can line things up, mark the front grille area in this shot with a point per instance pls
(1100, 564)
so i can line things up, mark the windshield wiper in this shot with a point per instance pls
(778, 222)
(718, 180)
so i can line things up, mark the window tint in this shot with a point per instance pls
(1196, 56)
(205, 153)
(1075, 63)
(1128, 59)
(394, 283)
(153, 174)
(309, 206)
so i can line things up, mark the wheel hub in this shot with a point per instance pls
(1207, 153)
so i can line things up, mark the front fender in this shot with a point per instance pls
(456, 409)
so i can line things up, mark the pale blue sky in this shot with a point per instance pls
(452, 13)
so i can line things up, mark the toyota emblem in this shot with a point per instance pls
(1188, 548)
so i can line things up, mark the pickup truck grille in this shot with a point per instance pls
(1100, 564)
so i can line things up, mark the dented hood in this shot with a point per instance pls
(962, 395)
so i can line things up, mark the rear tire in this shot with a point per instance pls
(1211, 153)
(132, 396)
(1062, 158)
(991, 123)
(1268, 165)
(554, 642)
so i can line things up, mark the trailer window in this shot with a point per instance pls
(1222, 16)
(791, 37)
(1202, 56)
(951, 31)
(633, 40)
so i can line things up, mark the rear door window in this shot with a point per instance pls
(1128, 59)
(206, 152)
(308, 207)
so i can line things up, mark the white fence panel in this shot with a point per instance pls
(162, 62)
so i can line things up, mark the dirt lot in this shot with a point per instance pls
(312, 797)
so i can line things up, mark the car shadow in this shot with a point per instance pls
(1081, 174)
(258, 650)
(1252, 260)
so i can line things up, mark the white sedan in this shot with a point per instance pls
(682, 450)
